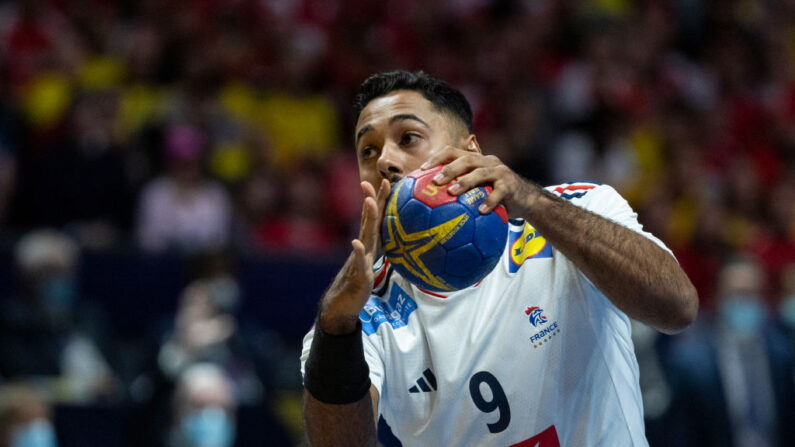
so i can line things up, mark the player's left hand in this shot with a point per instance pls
(475, 169)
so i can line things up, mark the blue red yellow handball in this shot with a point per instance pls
(437, 241)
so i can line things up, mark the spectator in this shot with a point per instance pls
(204, 409)
(698, 95)
(184, 209)
(302, 226)
(654, 383)
(47, 330)
(680, 95)
(203, 332)
(79, 179)
(25, 418)
(733, 374)
(206, 332)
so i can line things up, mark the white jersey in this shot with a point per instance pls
(533, 355)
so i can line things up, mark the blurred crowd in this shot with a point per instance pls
(198, 126)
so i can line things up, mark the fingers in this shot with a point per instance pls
(383, 192)
(478, 177)
(371, 215)
(380, 205)
(445, 155)
(465, 164)
(351, 287)
(493, 199)
(470, 170)
(367, 189)
(359, 255)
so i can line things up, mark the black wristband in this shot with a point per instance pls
(336, 372)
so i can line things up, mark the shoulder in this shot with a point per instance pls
(573, 190)
(585, 192)
(597, 198)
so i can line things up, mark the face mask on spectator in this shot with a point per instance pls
(208, 427)
(57, 293)
(39, 433)
(786, 311)
(742, 313)
(226, 293)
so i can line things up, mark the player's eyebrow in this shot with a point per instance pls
(407, 116)
(363, 131)
(400, 117)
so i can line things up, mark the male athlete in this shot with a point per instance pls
(538, 353)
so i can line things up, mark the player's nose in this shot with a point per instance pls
(390, 163)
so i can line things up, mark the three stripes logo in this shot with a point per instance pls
(425, 384)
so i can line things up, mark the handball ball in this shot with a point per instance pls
(437, 241)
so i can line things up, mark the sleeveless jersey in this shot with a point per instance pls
(533, 355)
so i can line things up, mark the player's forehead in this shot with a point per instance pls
(399, 102)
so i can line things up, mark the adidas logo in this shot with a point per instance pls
(422, 385)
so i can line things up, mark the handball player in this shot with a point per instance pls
(538, 353)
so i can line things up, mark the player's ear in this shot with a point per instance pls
(471, 144)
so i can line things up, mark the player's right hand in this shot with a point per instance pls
(351, 287)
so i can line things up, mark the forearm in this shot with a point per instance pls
(638, 276)
(340, 425)
(339, 400)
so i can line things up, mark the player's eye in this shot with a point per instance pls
(367, 153)
(408, 138)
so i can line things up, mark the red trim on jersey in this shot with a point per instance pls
(442, 296)
(547, 438)
(431, 293)
(560, 189)
(381, 274)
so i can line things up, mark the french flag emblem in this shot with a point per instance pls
(576, 190)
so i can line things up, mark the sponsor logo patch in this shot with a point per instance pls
(546, 330)
(535, 315)
(524, 245)
(395, 310)
(424, 384)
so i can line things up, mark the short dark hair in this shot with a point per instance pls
(439, 93)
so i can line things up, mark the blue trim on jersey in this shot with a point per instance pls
(381, 290)
(395, 311)
(575, 195)
(385, 435)
(582, 181)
